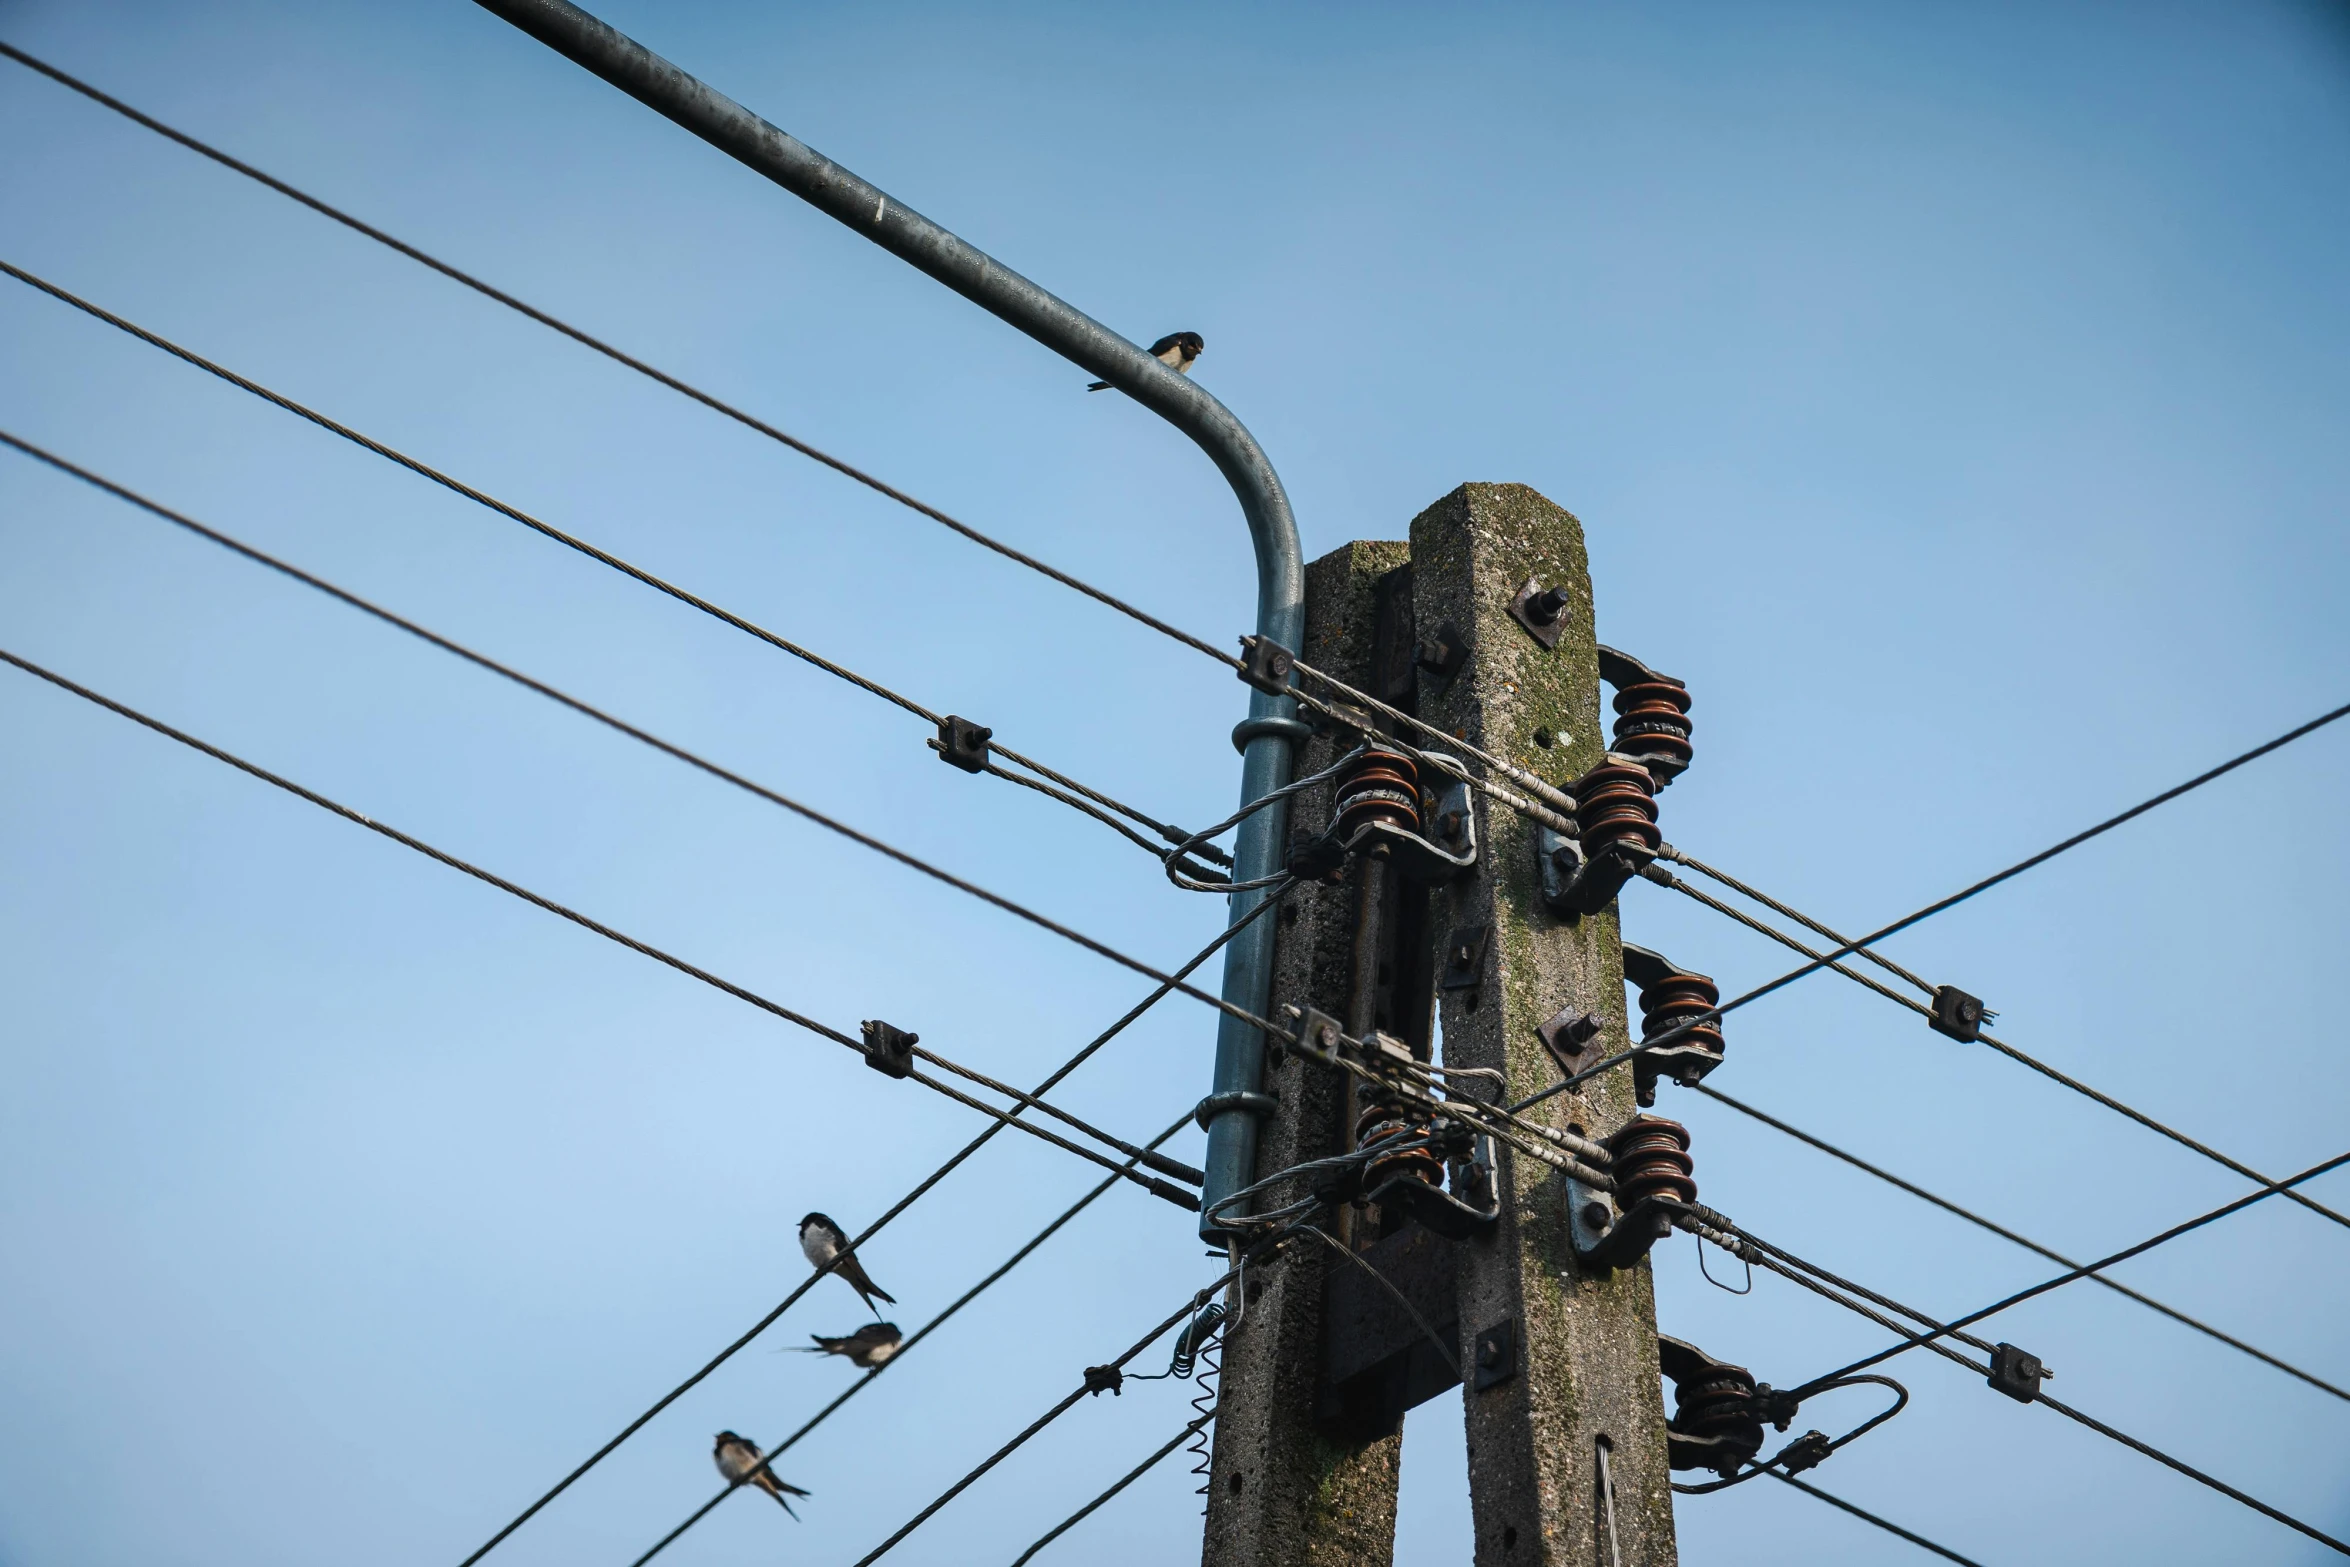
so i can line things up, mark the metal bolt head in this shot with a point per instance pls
(1596, 1216)
(1489, 1354)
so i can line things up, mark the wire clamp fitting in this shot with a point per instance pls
(1320, 1037)
(1958, 1014)
(2017, 1373)
(1266, 665)
(962, 743)
(1105, 1379)
(889, 1050)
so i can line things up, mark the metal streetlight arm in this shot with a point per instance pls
(1266, 738)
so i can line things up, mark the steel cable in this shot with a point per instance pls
(936, 1322)
(1060, 1072)
(1068, 1402)
(616, 355)
(2026, 1242)
(1190, 1429)
(2098, 1096)
(585, 922)
(549, 530)
(1795, 1269)
(1918, 1540)
(805, 812)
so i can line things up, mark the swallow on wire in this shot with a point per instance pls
(822, 1242)
(1176, 351)
(738, 1460)
(868, 1349)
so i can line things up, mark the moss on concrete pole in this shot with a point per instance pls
(1586, 1344)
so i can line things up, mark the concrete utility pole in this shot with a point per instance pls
(1560, 1362)
(1586, 1344)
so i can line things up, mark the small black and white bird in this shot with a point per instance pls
(1176, 351)
(869, 1348)
(738, 1460)
(821, 1241)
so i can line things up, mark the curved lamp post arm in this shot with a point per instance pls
(1266, 737)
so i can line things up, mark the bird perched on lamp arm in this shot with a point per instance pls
(1176, 351)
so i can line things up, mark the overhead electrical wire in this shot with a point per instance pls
(749, 421)
(1918, 1540)
(1846, 948)
(2004, 1233)
(1732, 1237)
(905, 1348)
(808, 813)
(1094, 1383)
(2100, 1097)
(570, 541)
(616, 355)
(1189, 1430)
(585, 922)
(921, 1188)
(2085, 1270)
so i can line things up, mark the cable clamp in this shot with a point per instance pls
(1958, 1014)
(889, 1050)
(962, 743)
(2017, 1373)
(1105, 1379)
(1266, 665)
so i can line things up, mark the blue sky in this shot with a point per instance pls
(1953, 395)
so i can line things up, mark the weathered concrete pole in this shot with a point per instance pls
(1282, 1492)
(1585, 1346)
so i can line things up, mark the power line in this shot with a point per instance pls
(1190, 1430)
(808, 813)
(530, 683)
(2007, 1234)
(761, 1326)
(1097, 1379)
(1666, 878)
(1846, 948)
(739, 992)
(1712, 1226)
(617, 356)
(549, 530)
(1918, 1540)
(866, 1381)
(2084, 1270)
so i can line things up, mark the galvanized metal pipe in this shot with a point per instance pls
(1266, 737)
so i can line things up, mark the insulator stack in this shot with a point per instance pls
(1652, 1160)
(1652, 723)
(1719, 1407)
(1380, 786)
(1673, 1001)
(1392, 1123)
(1615, 803)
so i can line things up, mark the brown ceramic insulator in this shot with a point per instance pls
(1653, 720)
(1381, 786)
(1651, 1159)
(1382, 1123)
(1615, 802)
(1721, 1406)
(1671, 1002)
